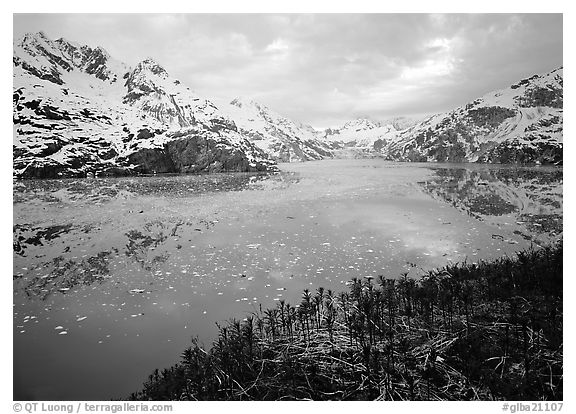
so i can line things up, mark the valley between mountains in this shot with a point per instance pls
(79, 112)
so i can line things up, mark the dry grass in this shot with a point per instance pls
(465, 332)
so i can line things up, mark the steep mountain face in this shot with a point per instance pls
(363, 135)
(401, 123)
(520, 124)
(77, 112)
(283, 139)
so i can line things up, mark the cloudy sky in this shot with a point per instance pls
(325, 69)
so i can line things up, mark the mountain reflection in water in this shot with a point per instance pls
(126, 270)
(529, 198)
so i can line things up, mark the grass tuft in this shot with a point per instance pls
(487, 331)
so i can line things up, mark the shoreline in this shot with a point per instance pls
(491, 331)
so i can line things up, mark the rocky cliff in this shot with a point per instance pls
(520, 124)
(77, 111)
(283, 139)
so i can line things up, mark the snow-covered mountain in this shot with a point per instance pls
(403, 122)
(362, 134)
(77, 111)
(283, 139)
(519, 124)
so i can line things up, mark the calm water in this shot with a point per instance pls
(112, 277)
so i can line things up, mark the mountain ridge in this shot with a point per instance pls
(522, 123)
(284, 139)
(77, 111)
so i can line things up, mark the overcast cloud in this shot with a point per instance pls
(326, 69)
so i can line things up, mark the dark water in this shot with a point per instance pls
(112, 277)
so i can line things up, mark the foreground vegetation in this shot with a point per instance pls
(463, 332)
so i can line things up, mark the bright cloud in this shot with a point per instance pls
(430, 70)
(278, 45)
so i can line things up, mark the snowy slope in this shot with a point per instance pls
(282, 138)
(362, 133)
(519, 124)
(77, 111)
(401, 123)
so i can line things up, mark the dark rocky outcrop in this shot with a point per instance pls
(192, 154)
(514, 152)
(522, 125)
